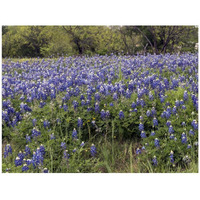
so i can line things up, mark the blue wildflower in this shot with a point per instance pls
(157, 142)
(25, 168)
(141, 127)
(143, 134)
(155, 122)
(121, 114)
(138, 151)
(154, 160)
(74, 134)
(93, 150)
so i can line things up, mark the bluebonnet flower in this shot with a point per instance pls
(65, 154)
(8, 149)
(194, 124)
(111, 104)
(133, 105)
(37, 158)
(177, 103)
(107, 114)
(185, 96)
(27, 150)
(171, 157)
(45, 170)
(80, 122)
(28, 138)
(63, 145)
(35, 132)
(21, 155)
(153, 133)
(65, 107)
(189, 146)
(135, 110)
(183, 107)
(191, 132)
(52, 136)
(143, 134)
(115, 97)
(93, 150)
(174, 110)
(46, 124)
(103, 114)
(75, 104)
(74, 134)
(171, 136)
(25, 168)
(183, 123)
(142, 103)
(121, 114)
(183, 138)
(143, 148)
(155, 122)
(138, 151)
(96, 107)
(171, 130)
(42, 149)
(18, 162)
(141, 127)
(168, 123)
(157, 142)
(153, 111)
(141, 118)
(28, 162)
(148, 113)
(34, 122)
(181, 102)
(82, 144)
(151, 97)
(154, 160)
(74, 150)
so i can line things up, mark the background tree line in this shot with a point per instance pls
(45, 41)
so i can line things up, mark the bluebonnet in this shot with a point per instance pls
(171, 157)
(148, 113)
(185, 96)
(42, 149)
(191, 132)
(177, 103)
(171, 136)
(28, 162)
(34, 122)
(121, 114)
(80, 122)
(183, 123)
(107, 114)
(171, 130)
(46, 124)
(103, 114)
(155, 122)
(52, 136)
(181, 102)
(183, 107)
(115, 97)
(45, 170)
(93, 150)
(143, 134)
(189, 146)
(194, 124)
(63, 145)
(153, 111)
(27, 150)
(138, 151)
(168, 123)
(97, 107)
(21, 155)
(143, 148)
(157, 142)
(37, 158)
(154, 160)
(153, 133)
(18, 161)
(183, 138)
(141, 127)
(28, 138)
(74, 134)
(82, 144)
(25, 168)
(65, 154)
(35, 132)
(174, 110)
(111, 104)
(141, 118)
(133, 105)
(8, 149)
(74, 150)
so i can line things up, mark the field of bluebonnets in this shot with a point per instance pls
(100, 114)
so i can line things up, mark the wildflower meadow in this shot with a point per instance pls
(98, 114)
